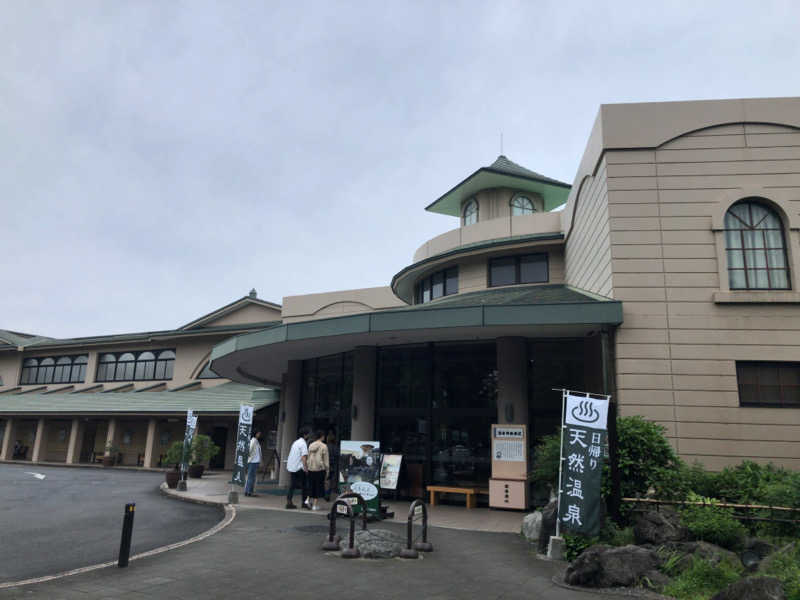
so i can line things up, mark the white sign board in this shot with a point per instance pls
(586, 412)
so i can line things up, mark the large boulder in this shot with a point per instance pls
(532, 525)
(605, 566)
(376, 543)
(548, 527)
(659, 527)
(755, 550)
(709, 552)
(752, 588)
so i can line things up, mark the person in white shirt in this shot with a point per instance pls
(253, 460)
(297, 465)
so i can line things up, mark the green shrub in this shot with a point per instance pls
(702, 580)
(203, 449)
(575, 543)
(786, 567)
(645, 456)
(174, 454)
(545, 460)
(750, 483)
(713, 524)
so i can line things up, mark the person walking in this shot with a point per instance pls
(297, 465)
(253, 460)
(318, 468)
(333, 454)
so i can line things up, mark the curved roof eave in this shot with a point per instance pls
(239, 357)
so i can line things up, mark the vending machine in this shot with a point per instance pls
(508, 487)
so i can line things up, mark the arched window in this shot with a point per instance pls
(521, 205)
(145, 365)
(755, 247)
(471, 212)
(46, 368)
(79, 369)
(29, 369)
(63, 369)
(105, 371)
(125, 365)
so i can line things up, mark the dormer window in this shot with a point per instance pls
(470, 213)
(521, 205)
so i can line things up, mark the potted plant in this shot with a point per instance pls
(203, 450)
(173, 457)
(110, 456)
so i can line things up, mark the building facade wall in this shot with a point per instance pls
(677, 349)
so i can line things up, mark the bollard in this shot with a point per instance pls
(361, 502)
(412, 550)
(127, 533)
(332, 541)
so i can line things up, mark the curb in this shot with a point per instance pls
(611, 592)
(230, 515)
(168, 493)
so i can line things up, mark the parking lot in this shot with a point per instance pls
(72, 517)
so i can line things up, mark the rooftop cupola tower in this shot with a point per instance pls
(502, 189)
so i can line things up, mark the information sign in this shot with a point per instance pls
(242, 444)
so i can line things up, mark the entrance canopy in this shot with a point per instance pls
(529, 311)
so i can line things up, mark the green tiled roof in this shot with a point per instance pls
(502, 173)
(15, 338)
(36, 342)
(220, 399)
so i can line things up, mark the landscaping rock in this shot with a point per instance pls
(760, 547)
(659, 527)
(548, 527)
(532, 525)
(752, 588)
(710, 552)
(376, 543)
(605, 566)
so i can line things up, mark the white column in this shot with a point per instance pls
(74, 447)
(6, 448)
(150, 443)
(512, 380)
(362, 415)
(40, 443)
(290, 414)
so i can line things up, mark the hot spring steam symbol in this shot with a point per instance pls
(585, 412)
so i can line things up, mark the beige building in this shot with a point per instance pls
(71, 400)
(665, 275)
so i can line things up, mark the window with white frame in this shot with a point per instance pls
(521, 205)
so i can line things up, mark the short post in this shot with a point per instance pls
(127, 533)
(351, 551)
(412, 550)
(361, 502)
(332, 541)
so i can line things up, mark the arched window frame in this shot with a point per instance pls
(141, 365)
(781, 202)
(518, 206)
(755, 247)
(45, 370)
(470, 212)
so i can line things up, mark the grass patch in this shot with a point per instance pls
(702, 580)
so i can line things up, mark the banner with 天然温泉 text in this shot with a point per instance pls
(583, 443)
(191, 427)
(242, 444)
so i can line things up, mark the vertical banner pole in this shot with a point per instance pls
(561, 459)
(242, 450)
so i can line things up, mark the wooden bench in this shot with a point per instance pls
(471, 493)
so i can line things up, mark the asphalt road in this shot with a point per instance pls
(73, 517)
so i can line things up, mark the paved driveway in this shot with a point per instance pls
(73, 517)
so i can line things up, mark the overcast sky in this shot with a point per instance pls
(159, 159)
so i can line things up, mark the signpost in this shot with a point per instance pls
(191, 427)
(583, 443)
(242, 445)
